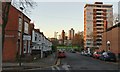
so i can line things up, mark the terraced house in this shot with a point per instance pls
(19, 37)
(40, 44)
(16, 31)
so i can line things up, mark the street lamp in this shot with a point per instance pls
(108, 45)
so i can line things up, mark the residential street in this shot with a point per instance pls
(60, 35)
(78, 62)
(74, 61)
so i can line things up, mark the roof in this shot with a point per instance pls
(20, 12)
(117, 25)
(97, 3)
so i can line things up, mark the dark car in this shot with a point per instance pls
(61, 54)
(72, 51)
(109, 56)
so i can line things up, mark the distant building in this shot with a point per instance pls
(55, 34)
(97, 18)
(63, 36)
(59, 37)
(71, 34)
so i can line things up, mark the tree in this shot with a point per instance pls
(78, 40)
(115, 18)
(5, 11)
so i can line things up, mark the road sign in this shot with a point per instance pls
(26, 37)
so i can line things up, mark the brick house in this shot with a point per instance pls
(17, 34)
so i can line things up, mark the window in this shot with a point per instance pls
(99, 32)
(98, 40)
(98, 21)
(106, 6)
(99, 36)
(35, 37)
(99, 6)
(26, 27)
(98, 13)
(88, 43)
(99, 24)
(99, 28)
(20, 24)
(99, 17)
(99, 9)
(99, 44)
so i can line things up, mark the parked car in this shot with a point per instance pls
(108, 56)
(61, 54)
(84, 53)
(89, 54)
(97, 55)
(72, 51)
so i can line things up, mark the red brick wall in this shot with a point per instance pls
(119, 40)
(11, 47)
(115, 46)
(114, 38)
(11, 32)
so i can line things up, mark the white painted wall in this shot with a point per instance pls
(42, 42)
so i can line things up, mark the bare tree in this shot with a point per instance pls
(115, 18)
(5, 11)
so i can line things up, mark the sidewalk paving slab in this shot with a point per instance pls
(39, 63)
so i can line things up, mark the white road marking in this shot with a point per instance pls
(57, 67)
(66, 67)
(53, 68)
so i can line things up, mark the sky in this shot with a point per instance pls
(55, 16)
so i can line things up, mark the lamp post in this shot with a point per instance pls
(21, 36)
(108, 45)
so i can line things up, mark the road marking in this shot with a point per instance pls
(57, 67)
(53, 68)
(58, 62)
(66, 67)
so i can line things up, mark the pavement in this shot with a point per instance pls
(39, 63)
